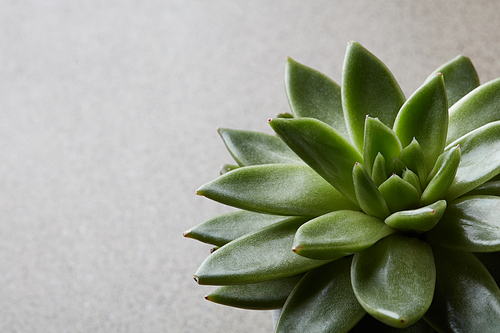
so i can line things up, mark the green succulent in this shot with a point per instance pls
(367, 210)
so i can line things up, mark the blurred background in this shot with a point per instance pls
(108, 117)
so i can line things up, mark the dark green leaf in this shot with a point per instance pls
(323, 301)
(470, 224)
(394, 279)
(479, 161)
(322, 148)
(424, 117)
(282, 189)
(370, 324)
(466, 298)
(312, 94)
(460, 78)
(260, 256)
(338, 234)
(227, 227)
(488, 188)
(252, 148)
(368, 88)
(478, 108)
(490, 261)
(265, 295)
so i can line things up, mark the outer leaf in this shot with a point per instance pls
(379, 139)
(394, 279)
(265, 295)
(323, 301)
(466, 295)
(368, 88)
(417, 220)
(322, 148)
(477, 163)
(226, 227)
(441, 176)
(259, 256)
(338, 234)
(490, 261)
(369, 197)
(477, 109)
(399, 194)
(252, 148)
(424, 117)
(283, 189)
(370, 324)
(470, 224)
(488, 188)
(227, 167)
(460, 78)
(312, 94)
(413, 157)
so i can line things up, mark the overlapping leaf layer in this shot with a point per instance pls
(367, 209)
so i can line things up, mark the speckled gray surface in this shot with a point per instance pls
(108, 111)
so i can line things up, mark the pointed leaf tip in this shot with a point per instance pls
(186, 233)
(196, 279)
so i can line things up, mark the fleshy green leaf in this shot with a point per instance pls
(282, 189)
(394, 279)
(379, 139)
(379, 174)
(441, 176)
(478, 108)
(256, 257)
(323, 301)
(413, 179)
(227, 167)
(399, 194)
(314, 95)
(322, 148)
(424, 117)
(413, 157)
(470, 224)
(490, 260)
(227, 227)
(265, 295)
(417, 220)
(368, 88)
(396, 166)
(338, 234)
(368, 195)
(479, 161)
(460, 78)
(253, 148)
(488, 188)
(466, 298)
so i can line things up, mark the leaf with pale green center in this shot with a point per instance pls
(441, 176)
(394, 279)
(368, 88)
(338, 234)
(460, 78)
(413, 157)
(466, 295)
(322, 148)
(282, 189)
(417, 220)
(479, 161)
(265, 295)
(323, 301)
(368, 195)
(379, 174)
(424, 116)
(399, 194)
(478, 108)
(379, 139)
(314, 95)
(470, 224)
(227, 227)
(253, 148)
(256, 257)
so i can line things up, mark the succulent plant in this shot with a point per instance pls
(367, 209)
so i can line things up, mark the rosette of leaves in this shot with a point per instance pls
(368, 210)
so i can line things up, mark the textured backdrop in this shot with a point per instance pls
(108, 111)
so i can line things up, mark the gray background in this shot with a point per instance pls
(108, 116)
